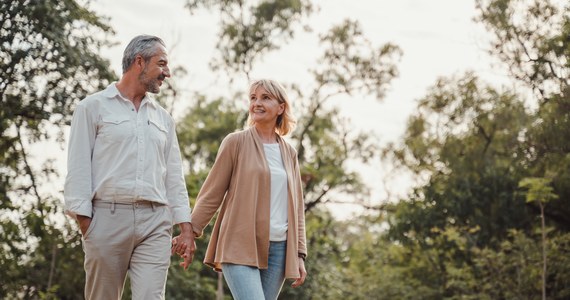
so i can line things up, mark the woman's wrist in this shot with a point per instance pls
(302, 256)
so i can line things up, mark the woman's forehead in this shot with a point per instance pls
(259, 89)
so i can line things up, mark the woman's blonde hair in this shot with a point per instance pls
(285, 122)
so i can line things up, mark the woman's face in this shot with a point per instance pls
(263, 108)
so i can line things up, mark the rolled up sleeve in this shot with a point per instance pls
(176, 191)
(78, 189)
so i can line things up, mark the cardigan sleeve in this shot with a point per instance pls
(302, 236)
(216, 185)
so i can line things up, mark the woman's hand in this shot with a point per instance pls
(299, 281)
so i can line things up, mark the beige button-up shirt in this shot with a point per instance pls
(119, 154)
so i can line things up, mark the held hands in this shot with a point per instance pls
(184, 245)
(299, 281)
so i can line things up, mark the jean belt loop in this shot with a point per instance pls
(113, 206)
(152, 205)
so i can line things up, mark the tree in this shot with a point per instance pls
(540, 191)
(473, 145)
(49, 60)
(350, 65)
(325, 141)
(247, 31)
(465, 140)
(531, 39)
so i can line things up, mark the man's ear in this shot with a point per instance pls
(139, 62)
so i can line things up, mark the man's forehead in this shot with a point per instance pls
(161, 53)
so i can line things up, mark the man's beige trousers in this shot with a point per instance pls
(123, 238)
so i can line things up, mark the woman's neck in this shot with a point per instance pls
(267, 135)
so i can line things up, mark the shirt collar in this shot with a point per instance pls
(112, 92)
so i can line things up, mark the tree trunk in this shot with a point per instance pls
(543, 250)
(220, 291)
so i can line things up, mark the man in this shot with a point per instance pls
(125, 184)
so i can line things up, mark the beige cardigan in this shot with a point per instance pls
(240, 182)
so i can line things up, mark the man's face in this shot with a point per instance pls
(155, 71)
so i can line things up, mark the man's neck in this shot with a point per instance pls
(131, 91)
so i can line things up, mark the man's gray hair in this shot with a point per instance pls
(143, 45)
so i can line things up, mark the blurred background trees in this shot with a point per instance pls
(49, 59)
(466, 232)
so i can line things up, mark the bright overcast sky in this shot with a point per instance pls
(438, 38)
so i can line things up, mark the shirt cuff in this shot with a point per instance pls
(180, 215)
(81, 207)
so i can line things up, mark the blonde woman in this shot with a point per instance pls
(258, 239)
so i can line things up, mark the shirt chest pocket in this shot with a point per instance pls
(157, 133)
(116, 128)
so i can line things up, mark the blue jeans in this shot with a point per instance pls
(251, 283)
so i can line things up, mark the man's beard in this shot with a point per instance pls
(151, 85)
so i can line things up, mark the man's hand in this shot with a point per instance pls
(84, 223)
(184, 244)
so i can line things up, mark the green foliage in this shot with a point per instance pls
(203, 128)
(248, 31)
(539, 189)
(325, 141)
(465, 137)
(344, 66)
(513, 270)
(467, 232)
(198, 282)
(323, 263)
(48, 60)
(476, 147)
(531, 38)
(350, 64)
(549, 153)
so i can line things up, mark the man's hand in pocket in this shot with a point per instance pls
(84, 223)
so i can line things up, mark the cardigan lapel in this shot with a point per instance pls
(258, 146)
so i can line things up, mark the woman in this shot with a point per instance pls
(258, 239)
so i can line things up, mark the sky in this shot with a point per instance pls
(438, 38)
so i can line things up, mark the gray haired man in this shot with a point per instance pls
(125, 184)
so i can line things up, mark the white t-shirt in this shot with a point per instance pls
(279, 206)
